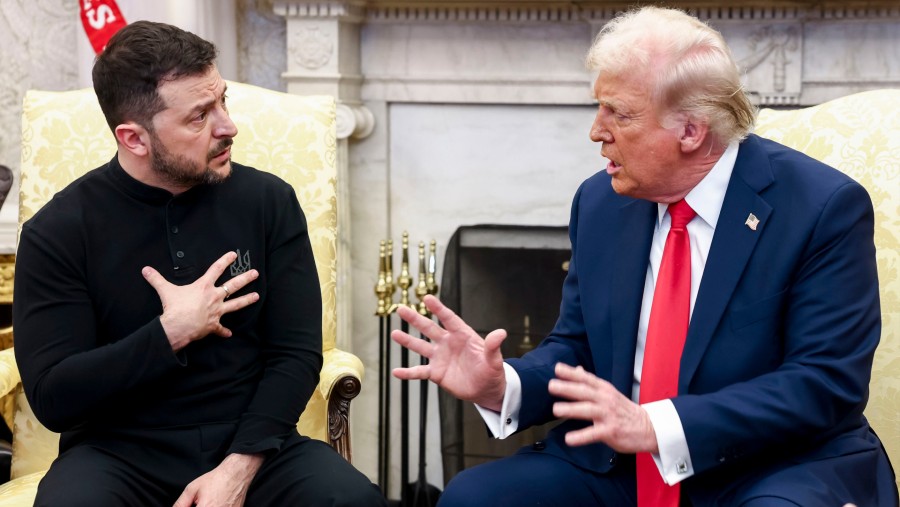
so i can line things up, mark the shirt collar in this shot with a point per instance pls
(706, 197)
(148, 193)
(133, 187)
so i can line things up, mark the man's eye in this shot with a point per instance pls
(200, 117)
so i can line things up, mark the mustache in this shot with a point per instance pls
(222, 146)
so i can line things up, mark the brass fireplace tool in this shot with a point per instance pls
(385, 288)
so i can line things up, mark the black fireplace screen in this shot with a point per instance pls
(499, 276)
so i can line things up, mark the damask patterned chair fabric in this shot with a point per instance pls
(64, 135)
(860, 135)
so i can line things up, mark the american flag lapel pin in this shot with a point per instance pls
(752, 222)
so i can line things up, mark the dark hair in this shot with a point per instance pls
(134, 63)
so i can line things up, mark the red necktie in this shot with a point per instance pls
(666, 333)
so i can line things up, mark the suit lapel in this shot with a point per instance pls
(732, 246)
(633, 237)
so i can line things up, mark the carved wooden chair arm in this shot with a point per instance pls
(340, 382)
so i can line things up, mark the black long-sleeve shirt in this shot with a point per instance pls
(89, 343)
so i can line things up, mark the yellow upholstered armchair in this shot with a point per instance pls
(64, 135)
(860, 135)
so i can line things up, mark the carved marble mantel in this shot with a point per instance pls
(454, 51)
(323, 57)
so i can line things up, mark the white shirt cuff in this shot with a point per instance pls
(506, 422)
(674, 458)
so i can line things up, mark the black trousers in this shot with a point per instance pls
(152, 468)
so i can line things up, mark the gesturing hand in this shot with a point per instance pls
(617, 421)
(460, 361)
(191, 312)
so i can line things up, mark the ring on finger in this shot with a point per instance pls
(225, 288)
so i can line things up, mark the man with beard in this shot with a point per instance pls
(174, 371)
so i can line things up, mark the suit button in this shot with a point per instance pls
(539, 445)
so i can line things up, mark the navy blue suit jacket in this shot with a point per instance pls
(775, 371)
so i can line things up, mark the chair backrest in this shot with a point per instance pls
(860, 135)
(64, 135)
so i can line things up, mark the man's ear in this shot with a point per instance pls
(134, 138)
(693, 134)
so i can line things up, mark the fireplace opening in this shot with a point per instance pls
(499, 276)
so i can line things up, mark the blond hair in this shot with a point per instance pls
(694, 70)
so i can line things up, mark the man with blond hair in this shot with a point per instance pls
(719, 319)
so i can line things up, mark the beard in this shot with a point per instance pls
(183, 172)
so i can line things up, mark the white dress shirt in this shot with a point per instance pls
(674, 458)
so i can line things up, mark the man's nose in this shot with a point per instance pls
(225, 127)
(599, 134)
